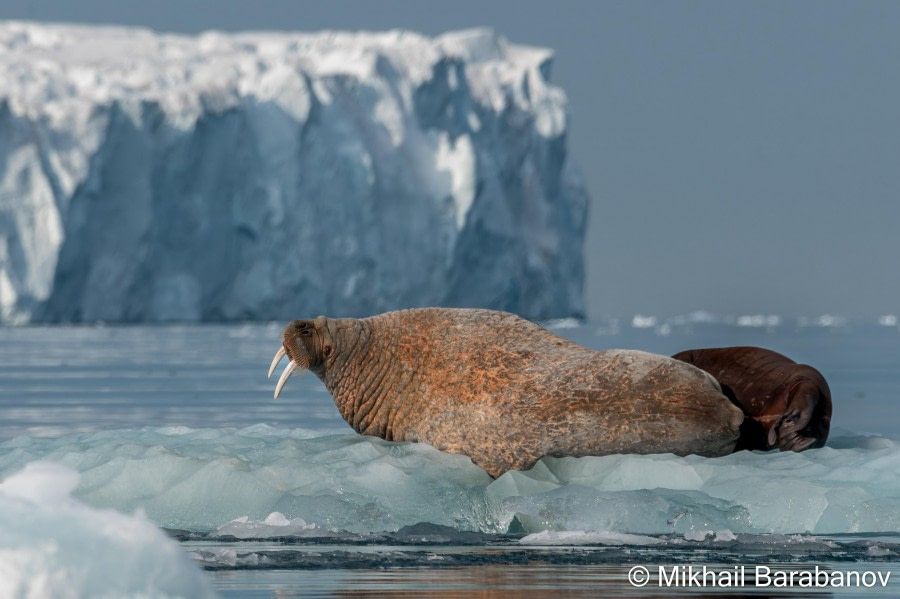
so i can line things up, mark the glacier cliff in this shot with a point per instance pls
(152, 177)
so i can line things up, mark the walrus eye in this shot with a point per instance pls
(326, 350)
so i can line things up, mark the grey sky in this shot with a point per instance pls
(742, 157)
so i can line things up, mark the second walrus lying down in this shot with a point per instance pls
(787, 405)
(504, 391)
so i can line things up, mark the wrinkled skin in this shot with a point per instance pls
(787, 405)
(506, 392)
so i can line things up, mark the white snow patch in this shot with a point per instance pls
(457, 159)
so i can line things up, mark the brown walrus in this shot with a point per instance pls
(504, 391)
(788, 405)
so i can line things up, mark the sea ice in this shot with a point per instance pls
(54, 547)
(262, 481)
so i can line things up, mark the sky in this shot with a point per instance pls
(741, 157)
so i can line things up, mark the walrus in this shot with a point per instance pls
(787, 405)
(503, 390)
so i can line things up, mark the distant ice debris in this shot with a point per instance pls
(643, 322)
(52, 546)
(274, 525)
(723, 536)
(563, 323)
(824, 321)
(888, 320)
(759, 320)
(610, 327)
(878, 551)
(581, 537)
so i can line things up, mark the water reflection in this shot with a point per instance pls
(532, 581)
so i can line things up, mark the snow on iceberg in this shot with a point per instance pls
(53, 546)
(152, 177)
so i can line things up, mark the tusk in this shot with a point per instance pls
(288, 370)
(278, 355)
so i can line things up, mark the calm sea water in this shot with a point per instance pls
(55, 381)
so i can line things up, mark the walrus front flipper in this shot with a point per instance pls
(804, 423)
(787, 405)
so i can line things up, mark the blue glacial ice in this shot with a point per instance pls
(54, 546)
(159, 177)
(261, 481)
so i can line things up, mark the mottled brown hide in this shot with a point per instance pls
(506, 392)
(788, 405)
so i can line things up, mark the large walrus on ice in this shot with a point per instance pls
(505, 391)
(787, 405)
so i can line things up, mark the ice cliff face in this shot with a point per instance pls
(148, 177)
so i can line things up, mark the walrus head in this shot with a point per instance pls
(807, 414)
(308, 345)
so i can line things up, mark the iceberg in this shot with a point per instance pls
(53, 546)
(150, 177)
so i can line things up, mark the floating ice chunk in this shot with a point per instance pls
(697, 535)
(581, 537)
(54, 546)
(703, 317)
(725, 535)
(876, 551)
(825, 321)
(563, 323)
(276, 524)
(759, 320)
(888, 320)
(643, 322)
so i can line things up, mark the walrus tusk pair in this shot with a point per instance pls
(288, 370)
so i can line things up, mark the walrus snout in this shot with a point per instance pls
(297, 339)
